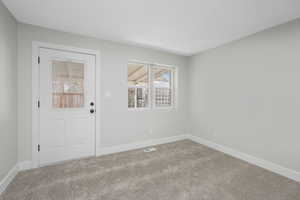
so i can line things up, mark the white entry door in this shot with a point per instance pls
(67, 106)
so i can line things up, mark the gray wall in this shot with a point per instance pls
(8, 88)
(246, 95)
(119, 126)
(243, 95)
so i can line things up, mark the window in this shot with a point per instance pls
(138, 86)
(162, 86)
(67, 84)
(150, 86)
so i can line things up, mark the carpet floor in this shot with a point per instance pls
(181, 170)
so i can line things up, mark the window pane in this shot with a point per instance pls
(138, 83)
(162, 85)
(137, 75)
(142, 97)
(131, 97)
(67, 84)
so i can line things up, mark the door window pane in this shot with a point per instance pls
(67, 84)
(162, 86)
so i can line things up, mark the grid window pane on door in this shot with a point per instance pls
(67, 84)
(163, 86)
(138, 85)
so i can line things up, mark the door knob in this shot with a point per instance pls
(92, 111)
(92, 104)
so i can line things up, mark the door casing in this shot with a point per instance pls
(35, 94)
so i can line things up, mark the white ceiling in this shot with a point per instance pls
(179, 26)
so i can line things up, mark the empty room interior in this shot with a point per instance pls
(150, 100)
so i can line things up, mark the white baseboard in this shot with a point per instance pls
(138, 145)
(8, 178)
(25, 165)
(289, 173)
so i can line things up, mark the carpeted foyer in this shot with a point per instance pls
(181, 170)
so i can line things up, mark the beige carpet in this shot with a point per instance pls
(177, 171)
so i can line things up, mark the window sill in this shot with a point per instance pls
(164, 108)
(152, 109)
(139, 109)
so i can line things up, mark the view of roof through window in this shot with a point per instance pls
(142, 78)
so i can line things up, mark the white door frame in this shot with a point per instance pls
(35, 93)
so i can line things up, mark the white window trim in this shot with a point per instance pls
(151, 99)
